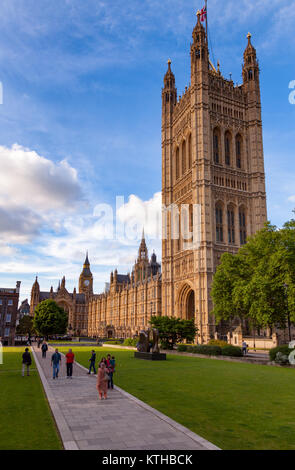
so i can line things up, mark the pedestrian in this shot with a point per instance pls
(103, 359)
(39, 343)
(244, 348)
(102, 381)
(70, 356)
(55, 362)
(44, 349)
(111, 370)
(27, 361)
(92, 362)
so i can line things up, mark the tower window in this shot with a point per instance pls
(183, 157)
(190, 152)
(242, 222)
(177, 164)
(227, 146)
(219, 224)
(198, 53)
(250, 75)
(216, 146)
(231, 226)
(239, 151)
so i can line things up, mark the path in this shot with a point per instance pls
(121, 422)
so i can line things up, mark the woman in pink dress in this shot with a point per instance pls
(102, 381)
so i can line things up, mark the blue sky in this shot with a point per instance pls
(81, 119)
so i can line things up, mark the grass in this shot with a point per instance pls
(26, 420)
(233, 405)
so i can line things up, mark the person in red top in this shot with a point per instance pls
(69, 362)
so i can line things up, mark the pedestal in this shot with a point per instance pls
(149, 356)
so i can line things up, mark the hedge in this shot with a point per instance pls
(211, 350)
(113, 342)
(230, 350)
(131, 342)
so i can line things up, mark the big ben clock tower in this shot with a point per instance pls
(86, 278)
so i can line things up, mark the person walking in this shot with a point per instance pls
(102, 381)
(244, 348)
(111, 370)
(27, 361)
(92, 362)
(70, 356)
(44, 349)
(55, 362)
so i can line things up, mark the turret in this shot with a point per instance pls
(86, 278)
(35, 296)
(199, 51)
(169, 92)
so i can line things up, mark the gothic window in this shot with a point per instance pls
(177, 163)
(239, 151)
(231, 225)
(242, 222)
(227, 147)
(250, 75)
(183, 152)
(198, 53)
(216, 145)
(190, 152)
(219, 223)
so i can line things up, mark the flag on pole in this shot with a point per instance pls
(203, 14)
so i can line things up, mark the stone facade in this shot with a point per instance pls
(212, 156)
(121, 311)
(9, 299)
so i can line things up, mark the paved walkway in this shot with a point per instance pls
(121, 422)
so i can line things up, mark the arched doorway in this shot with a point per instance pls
(186, 303)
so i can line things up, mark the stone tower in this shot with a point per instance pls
(35, 296)
(86, 278)
(212, 156)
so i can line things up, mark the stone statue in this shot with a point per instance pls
(143, 344)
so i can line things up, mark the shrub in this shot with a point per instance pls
(284, 349)
(182, 347)
(190, 349)
(207, 349)
(130, 342)
(217, 342)
(230, 350)
(114, 342)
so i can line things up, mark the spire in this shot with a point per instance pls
(86, 262)
(169, 92)
(250, 66)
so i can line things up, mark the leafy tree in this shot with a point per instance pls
(259, 282)
(25, 326)
(173, 330)
(50, 319)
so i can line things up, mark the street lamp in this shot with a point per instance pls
(289, 323)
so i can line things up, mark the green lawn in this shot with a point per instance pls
(26, 420)
(233, 405)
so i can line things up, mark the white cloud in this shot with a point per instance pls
(291, 198)
(34, 192)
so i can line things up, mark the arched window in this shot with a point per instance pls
(239, 150)
(242, 223)
(216, 146)
(227, 147)
(183, 155)
(231, 225)
(250, 74)
(219, 223)
(177, 164)
(190, 151)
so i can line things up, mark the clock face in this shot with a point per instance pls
(86, 283)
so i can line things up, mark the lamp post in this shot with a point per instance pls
(289, 323)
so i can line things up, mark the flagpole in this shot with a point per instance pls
(206, 21)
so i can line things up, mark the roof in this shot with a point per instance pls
(123, 278)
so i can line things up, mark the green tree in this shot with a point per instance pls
(50, 319)
(259, 282)
(173, 330)
(25, 326)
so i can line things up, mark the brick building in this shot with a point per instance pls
(9, 299)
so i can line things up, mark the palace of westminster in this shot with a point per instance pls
(212, 155)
